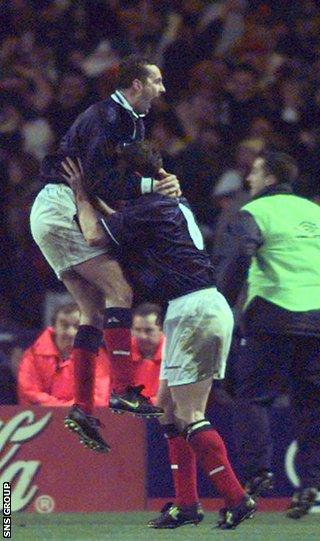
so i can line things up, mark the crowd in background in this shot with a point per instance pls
(240, 76)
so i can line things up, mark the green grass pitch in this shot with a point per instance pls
(132, 527)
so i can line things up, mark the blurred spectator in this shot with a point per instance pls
(22, 264)
(46, 371)
(290, 104)
(100, 60)
(178, 59)
(10, 127)
(209, 77)
(37, 136)
(147, 347)
(302, 37)
(167, 133)
(199, 166)
(196, 109)
(72, 98)
(22, 186)
(232, 179)
(231, 192)
(263, 129)
(221, 26)
(243, 101)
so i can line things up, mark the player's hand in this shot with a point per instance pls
(167, 185)
(75, 175)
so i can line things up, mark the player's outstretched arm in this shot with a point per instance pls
(90, 227)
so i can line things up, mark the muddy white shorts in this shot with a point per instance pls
(198, 329)
(55, 230)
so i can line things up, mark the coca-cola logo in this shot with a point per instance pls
(20, 473)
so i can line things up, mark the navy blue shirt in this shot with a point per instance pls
(160, 247)
(94, 137)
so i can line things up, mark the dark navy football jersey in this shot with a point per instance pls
(94, 136)
(160, 247)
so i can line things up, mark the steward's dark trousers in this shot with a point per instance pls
(266, 366)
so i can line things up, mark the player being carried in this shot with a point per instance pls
(162, 251)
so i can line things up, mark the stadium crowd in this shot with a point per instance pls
(240, 76)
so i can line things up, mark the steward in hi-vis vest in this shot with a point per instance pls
(286, 268)
(276, 249)
(275, 243)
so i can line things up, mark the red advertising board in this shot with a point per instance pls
(49, 469)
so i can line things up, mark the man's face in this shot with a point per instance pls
(258, 179)
(147, 332)
(150, 89)
(65, 329)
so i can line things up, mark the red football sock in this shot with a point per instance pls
(118, 343)
(84, 372)
(117, 337)
(184, 471)
(212, 456)
(84, 353)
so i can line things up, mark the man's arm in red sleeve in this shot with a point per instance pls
(29, 385)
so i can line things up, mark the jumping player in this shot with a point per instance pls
(91, 275)
(162, 252)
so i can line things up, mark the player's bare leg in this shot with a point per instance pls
(190, 402)
(164, 401)
(105, 273)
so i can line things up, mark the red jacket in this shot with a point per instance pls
(45, 379)
(148, 370)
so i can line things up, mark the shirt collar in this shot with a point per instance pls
(118, 97)
(275, 189)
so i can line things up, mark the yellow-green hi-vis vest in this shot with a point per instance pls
(286, 268)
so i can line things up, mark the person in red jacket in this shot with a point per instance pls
(45, 375)
(147, 345)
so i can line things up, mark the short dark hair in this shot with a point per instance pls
(131, 68)
(281, 165)
(147, 308)
(67, 308)
(143, 157)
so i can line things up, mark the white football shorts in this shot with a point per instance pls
(198, 329)
(55, 230)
